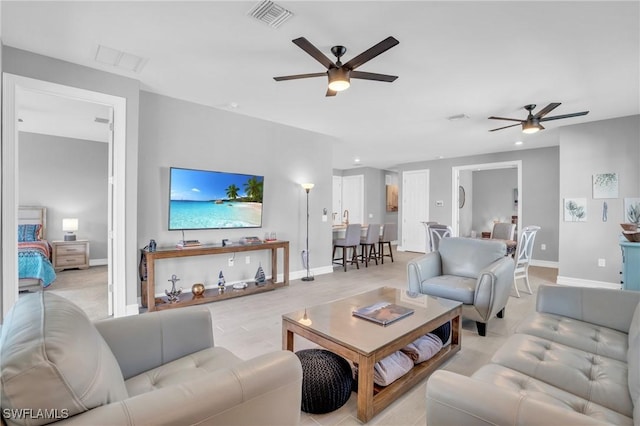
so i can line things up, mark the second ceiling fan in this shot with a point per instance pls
(340, 74)
(532, 123)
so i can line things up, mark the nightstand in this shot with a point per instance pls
(70, 254)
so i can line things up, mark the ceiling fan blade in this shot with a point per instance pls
(373, 76)
(371, 53)
(306, 45)
(503, 118)
(546, 110)
(297, 76)
(505, 127)
(331, 92)
(557, 117)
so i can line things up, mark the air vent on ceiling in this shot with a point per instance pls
(120, 59)
(270, 13)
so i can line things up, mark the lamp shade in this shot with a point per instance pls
(307, 186)
(70, 224)
(339, 79)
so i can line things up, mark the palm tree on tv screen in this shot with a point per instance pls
(253, 189)
(232, 191)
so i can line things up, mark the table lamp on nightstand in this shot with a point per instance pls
(70, 225)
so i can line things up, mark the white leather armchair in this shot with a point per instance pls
(472, 271)
(151, 369)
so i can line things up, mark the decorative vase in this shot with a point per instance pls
(197, 289)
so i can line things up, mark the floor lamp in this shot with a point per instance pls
(307, 187)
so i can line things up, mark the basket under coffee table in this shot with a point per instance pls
(332, 326)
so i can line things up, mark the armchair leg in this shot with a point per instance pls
(501, 313)
(482, 328)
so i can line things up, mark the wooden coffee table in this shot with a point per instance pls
(332, 326)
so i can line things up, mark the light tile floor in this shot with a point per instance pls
(250, 326)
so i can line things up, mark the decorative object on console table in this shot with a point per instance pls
(70, 225)
(221, 282)
(174, 294)
(305, 255)
(197, 289)
(70, 254)
(260, 278)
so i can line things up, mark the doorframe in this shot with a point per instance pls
(455, 180)
(12, 86)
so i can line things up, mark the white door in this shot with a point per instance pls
(336, 213)
(353, 197)
(415, 209)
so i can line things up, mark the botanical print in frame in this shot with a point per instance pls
(575, 209)
(605, 185)
(632, 210)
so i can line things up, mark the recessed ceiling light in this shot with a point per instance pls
(519, 142)
(440, 157)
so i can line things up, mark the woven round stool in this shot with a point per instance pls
(326, 380)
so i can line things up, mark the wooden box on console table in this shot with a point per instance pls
(147, 273)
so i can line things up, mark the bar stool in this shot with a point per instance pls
(351, 240)
(389, 233)
(368, 244)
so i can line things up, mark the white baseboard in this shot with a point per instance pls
(296, 275)
(544, 263)
(132, 309)
(579, 282)
(98, 262)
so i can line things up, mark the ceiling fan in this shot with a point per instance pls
(339, 74)
(532, 122)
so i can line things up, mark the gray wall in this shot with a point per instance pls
(493, 197)
(183, 134)
(20, 62)
(540, 200)
(598, 147)
(68, 177)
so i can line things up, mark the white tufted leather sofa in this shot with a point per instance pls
(159, 368)
(576, 361)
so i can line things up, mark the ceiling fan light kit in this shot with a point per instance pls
(339, 79)
(340, 74)
(532, 123)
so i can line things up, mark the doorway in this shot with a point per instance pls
(16, 87)
(456, 193)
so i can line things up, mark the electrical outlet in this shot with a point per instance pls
(543, 246)
(231, 261)
(602, 263)
(247, 260)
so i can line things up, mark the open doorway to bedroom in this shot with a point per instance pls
(63, 166)
(65, 154)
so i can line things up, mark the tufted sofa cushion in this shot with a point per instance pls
(534, 389)
(595, 378)
(182, 370)
(43, 367)
(577, 334)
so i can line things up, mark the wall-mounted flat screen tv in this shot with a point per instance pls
(202, 199)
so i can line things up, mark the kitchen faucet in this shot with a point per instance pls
(346, 214)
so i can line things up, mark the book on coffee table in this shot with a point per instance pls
(383, 313)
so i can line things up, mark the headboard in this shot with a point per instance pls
(33, 215)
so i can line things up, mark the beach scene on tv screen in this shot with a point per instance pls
(212, 200)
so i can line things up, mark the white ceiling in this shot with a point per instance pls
(476, 58)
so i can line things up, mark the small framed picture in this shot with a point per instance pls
(575, 209)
